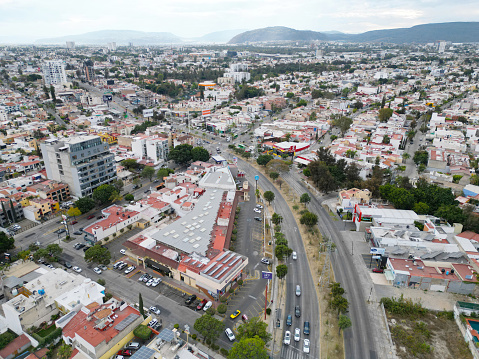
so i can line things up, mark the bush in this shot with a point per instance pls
(222, 308)
(142, 332)
(101, 281)
(240, 282)
(224, 352)
(211, 311)
(122, 230)
(208, 341)
(215, 346)
(6, 338)
(193, 336)
(403, 307)
(234, 231)
(114, 234)
(106, 239)
(176, 326)
(231, 290)
(268, 311)
(130, 226)
(223, 299)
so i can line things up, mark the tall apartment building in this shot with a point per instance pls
(54, 72)
(83, 162)
(10, 212)
(89, 70)
(154, 149)
(238, 72)
(70, 44)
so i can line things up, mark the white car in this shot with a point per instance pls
(257, 210)
(155, 310)
(122, 251)
(259, 206)
(287, 338)
(229, 334)
(155, 282)
(295, 255)
(150, 282)
(207, 305)
(297, 335)
(130, 269)
(306, 346)
(97, 270)
(77, 269)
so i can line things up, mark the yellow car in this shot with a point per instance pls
(235, 314)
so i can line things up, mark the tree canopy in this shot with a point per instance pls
(281, 271)
(252, 328)
(98, 254)
(309, 219)
(209, 327)
(85, 204)
(342, 123)
(263, 160)
(51, 253)
(385, 114)
(103, 194)
(74, 212)
(269, 196)
(130, 164)
(148, 172)
(305, 198)
(181, 154)
(164, 172)
(6, 242)
(248, 348)
(200, 154)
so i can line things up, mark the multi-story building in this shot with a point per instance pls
(53, 190)
(89, 70)
(154, 149)
(70, 44)
(10, 212)
(54, 72)
(83, 162)
(238, 72)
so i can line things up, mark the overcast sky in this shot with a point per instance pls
(34, 19)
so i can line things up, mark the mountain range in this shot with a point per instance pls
(450, 31)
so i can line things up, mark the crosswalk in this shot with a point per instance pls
(293, 352)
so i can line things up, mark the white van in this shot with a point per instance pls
(298, 290)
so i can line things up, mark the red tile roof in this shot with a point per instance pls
(14, 346)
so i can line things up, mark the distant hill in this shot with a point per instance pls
(121, 37)
(277, 33)
(449, 31)
(218, 36)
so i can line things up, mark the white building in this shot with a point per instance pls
(238, 72)
(154, 149)
(54, 72)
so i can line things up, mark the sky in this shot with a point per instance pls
(29, 20)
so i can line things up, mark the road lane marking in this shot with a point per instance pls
(252, 297)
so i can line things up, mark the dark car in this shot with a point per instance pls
(378, 270)
(77, 233)
(74, 222)
(289, 320)
(86, 248)
(297, 311)
(190, 299)
(259, 219)
(136, 187)
(100, 217)
(90, 216)
(201, 305)
(68, 265)
(306, 328)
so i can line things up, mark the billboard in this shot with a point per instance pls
(110, 82)
(266, 275)
(377, 251)
(107, 98)
(148, 113)
(206, 112)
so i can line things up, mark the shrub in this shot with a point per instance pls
(130, 226)
(106, 239)
(193, 336)
(215, 346)
(222, 308)
(142, 332)
(176, 326)
(234, 231)
(224, 352)
(101, 281)
(114, 234)
(211, 311)
(122, 230)
(208, 341)
(404, 307)
(240, 282)
(223, 299)
(6, 338)
(231, 290)
(295, 207)
(268, 311)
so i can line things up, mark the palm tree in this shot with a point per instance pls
(406, 156)
(115, 196)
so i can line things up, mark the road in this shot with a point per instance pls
(358, 343)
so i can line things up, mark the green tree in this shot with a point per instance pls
(344, 322)
(118, 184)
(306, 172)
(386, 139)
(248, 348)
(129, 197)
(73, 212)
(336, 289)
(406, 156)
(276, 218)
(451, 213)
(269, 196)
(52, 92)
(274, 175)
(200, 154)
(281, 271)
(103, 193)
(385, 114)
(263, 160)
(340, 304)
(281, 251)
(420, 157)
(137, 181)
(309, 219)
(85, 204)
(6, 242)
(130, 164)
(65, 351)
(343, 123)
(98, 254)
(255, 327)
(115, 197)
(23, 255)
(290, 95)
(209, 327)
(141, 306)
(50, 254)
(148, 172)
(181, 154)
(421, 208)
(142, 332)
(305, 198)
(163, 172)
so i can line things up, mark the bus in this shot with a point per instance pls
(242, 146)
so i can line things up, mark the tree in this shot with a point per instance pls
(163, 172)
(276, 218)
(281, 251)
(269, 196)
(248, 348)
(130, 164)
(129, 197)
(181, 154)
(118, 184)
(74, 212)
(137, 181)
(420, 157)
(281, 271)
(309, 219)
(342, 123)
(306, 172)
(98, 254)
(305, 198)
(209, 327)
(255, 327)
(200, 154)
(52, 92)
(386, 139)
(344, 322)
(65, 351)
(142, 332)
(148, 172)
(339, 303)
(263, 160)
(103, 193)
(421, 208)
(274, 175)
(385, 114)
(322, 177)
(50, 254)
(406, 156)
(6, 243)
(140, 304)
(451, 213)
(336, 289)
(115, 197)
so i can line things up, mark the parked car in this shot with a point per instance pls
(229, 334)
(147, 278)
(297, 335)
(378, 270)
(287, 338)
(155, 310)
(130, 269)
(97, 270)
(100, 217)
(68, 265)
(123, 251)
(125, 352)
(244, 318)
(257, 210)
(190, 299)
(235, 314)
(77, 269)
(259, 219)
(152, 323)
(74, 222)
(86, 248)
(155, 282)
(306, 346)
(259, 206)
(297, 311)
(117, 264)
(141, 277)
(102, 267)
(265, 261)
(77, 233)
(91, 216)
(201, 304)
(208, 306)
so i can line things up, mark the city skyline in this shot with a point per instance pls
(31, 20)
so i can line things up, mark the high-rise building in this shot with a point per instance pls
(238, 72)
(84, 162)
(111, 46)
(441, 46)
(89, 70)
(70, 44)
(54, 72)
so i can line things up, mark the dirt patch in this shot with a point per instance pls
(428, 336)
(331, 341)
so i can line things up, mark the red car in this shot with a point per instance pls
(124, 352)
(90, 216)
(378, 270)
(244, 317)
(74, 222)
(201, 305)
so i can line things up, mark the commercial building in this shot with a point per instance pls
(83, 162)
(89, 70)
(154, 149)
(54, 72)
(10, 212)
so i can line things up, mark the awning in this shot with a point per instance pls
(156, 266)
